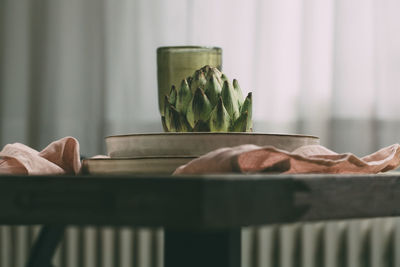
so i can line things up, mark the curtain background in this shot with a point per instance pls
(87, 68)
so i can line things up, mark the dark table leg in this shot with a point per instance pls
(44, 247)
(202, 248)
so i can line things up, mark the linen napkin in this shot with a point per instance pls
(306, 159)
(59, 157)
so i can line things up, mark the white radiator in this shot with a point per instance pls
(355, 243)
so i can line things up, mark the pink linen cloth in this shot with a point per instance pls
(60, 157)
(306, 159)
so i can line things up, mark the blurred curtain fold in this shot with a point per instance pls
(88, 68)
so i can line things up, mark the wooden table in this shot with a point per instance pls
(201, 215)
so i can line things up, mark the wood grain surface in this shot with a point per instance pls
(196, 202)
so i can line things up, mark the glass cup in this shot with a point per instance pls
(175, 63)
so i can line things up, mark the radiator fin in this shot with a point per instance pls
(352, 243)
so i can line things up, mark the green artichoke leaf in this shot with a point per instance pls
(247, 107)
(224, 78)
(206, 69)
(201, 126)
(202, 80)
(199, 108)
(215, 72)
(230, 100)
(219, 118)
(183, 97)
(164, 125)
(240, 124)
(167, 113)
(199, 80)
(213, 90)
(172, 95)
(189, 81)
(247, 104)
(174, 121)
(184, 125)
(238, 91)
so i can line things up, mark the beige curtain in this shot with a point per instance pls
(88, 68)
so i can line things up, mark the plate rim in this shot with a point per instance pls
(210, 133)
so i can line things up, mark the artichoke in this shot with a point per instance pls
(206, 102)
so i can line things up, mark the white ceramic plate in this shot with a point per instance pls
(156, 165)
(196, 144)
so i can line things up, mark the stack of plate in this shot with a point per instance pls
(162, 153)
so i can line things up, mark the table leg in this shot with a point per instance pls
(45, 245)
(202, 248)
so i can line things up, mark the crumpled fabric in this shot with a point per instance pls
(306, 159)
(59, 157)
